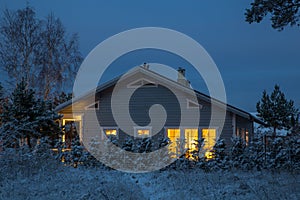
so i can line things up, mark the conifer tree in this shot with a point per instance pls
(275, 110)
(26, 118)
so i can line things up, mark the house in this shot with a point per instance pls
(148, 88)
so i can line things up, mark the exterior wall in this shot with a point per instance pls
(140, 103)
(139, 107)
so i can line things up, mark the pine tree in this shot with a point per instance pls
(27, 119)
(275, 110)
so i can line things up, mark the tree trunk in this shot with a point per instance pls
(274, 132)
(28, 142)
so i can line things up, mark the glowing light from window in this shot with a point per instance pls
(209, 136)
(143, 132)
(111, 132)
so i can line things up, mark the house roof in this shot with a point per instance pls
(166, 80)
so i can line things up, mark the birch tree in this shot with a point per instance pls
(38, 50)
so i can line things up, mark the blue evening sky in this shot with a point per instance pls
(251, 58)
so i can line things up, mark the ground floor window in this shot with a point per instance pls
(187, 138)
(191, 138)
(110, 132)
(72, 128)
(71, 131)
(244, 134)
(142, 131)
(174, 137)
(209, 136)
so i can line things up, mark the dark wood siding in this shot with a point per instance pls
(140, 103)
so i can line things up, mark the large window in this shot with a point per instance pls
(191, 137)
(209, 136)
(179, 142)
(174, 136)
(187, 138)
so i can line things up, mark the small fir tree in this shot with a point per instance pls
(275, 110)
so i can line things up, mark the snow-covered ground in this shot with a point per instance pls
(48, 179)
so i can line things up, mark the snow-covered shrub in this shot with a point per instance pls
(23, 161)
(219, 158)
(75, 155)
(256, 153)
(197, 153)
(294, 151)
(285, 153)
(239, 155)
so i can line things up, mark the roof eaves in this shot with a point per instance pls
(91, 92)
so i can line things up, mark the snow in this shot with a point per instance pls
(48, 179)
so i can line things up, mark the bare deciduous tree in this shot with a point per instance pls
(39, 51)
(19, 40)
(58, 58)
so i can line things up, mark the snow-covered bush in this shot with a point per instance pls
(75, 155)
(220, 157)
(23, 161)
(239, 154)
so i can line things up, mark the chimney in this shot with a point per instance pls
(145, 66)
(181, 77)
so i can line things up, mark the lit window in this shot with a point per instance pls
(191, 136)
(238, 132)
(174, 136)
(71, 128)
(142, 131)
(243, 134)
(111, 132)
(209, 136)
(247, 137)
